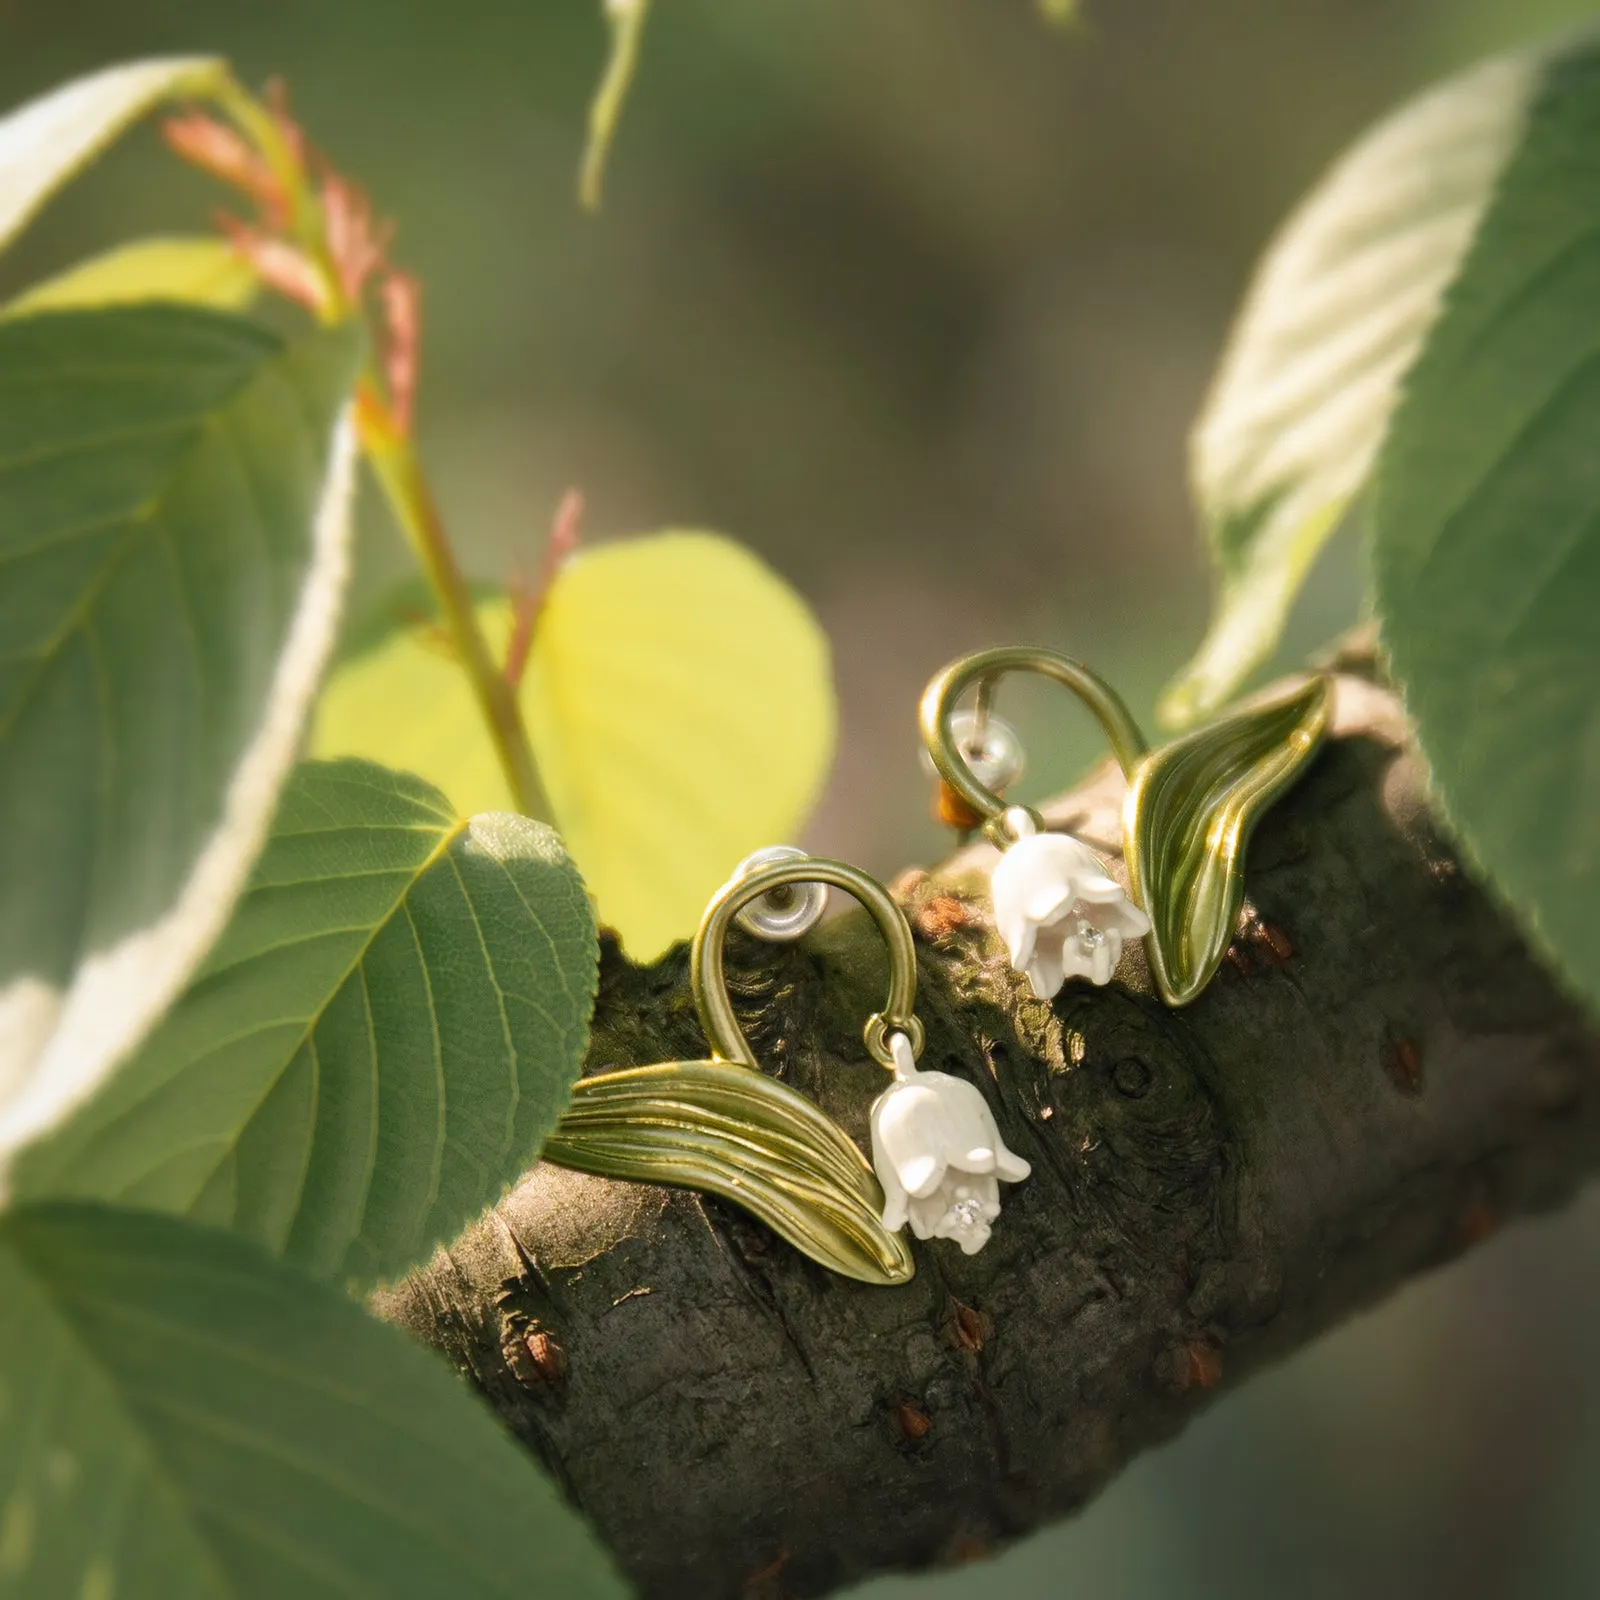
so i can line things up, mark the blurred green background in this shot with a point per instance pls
(918, 298)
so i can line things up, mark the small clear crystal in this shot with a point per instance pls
(967, 1213)
(1090, 938)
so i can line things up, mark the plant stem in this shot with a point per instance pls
(526, 604)
(625, 19)
(386, 438)
(399, 473)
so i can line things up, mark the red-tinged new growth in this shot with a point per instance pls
(214, 147)
(317, 241)
(357, 239)
(277, 263)
(318, 244)
(402, 354)
(528, 600)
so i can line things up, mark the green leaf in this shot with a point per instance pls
(187, 1419)
(44, 142)
(1187, 818)
(376, 1046)
(732, 1131)
(1487, 533)
(196, 271)
(174, 543)
(680, 704)
(1339, 307)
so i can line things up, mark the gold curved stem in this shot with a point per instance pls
(940, 697)
(709, 981)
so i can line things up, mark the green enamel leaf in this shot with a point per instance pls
(732, 1131)
(1338, 310)
(200, 271)
(377, 1045)
(188, 1419)
(1189, 812)
(1486, 534)
(174, 545)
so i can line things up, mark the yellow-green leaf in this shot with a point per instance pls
(195, 270)
(732, 1131)
(680, 703)
(1188, 815)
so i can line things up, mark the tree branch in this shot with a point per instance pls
(1381, 1078)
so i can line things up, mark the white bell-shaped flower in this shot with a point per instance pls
(938, 1155)
(1060, 913)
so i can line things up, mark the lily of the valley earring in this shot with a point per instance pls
(725, 1127)
(935, 1147)
(938, 1154)
(1061, 914)
(1187, 816)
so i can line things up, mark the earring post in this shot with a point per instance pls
(708, 979)
(986, 667)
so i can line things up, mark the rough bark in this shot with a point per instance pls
(1379, 1077)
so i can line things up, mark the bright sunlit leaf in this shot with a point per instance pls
(680, 702)
(196, 271)
(681, 705)
(1339, 308)
(174, 543)
(44, 142)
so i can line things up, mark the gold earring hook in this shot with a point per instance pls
(708, 979)
(985, 667)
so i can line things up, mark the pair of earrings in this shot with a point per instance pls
(723, 1126)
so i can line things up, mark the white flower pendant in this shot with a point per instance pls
(938, 1155)
(1060, 913)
